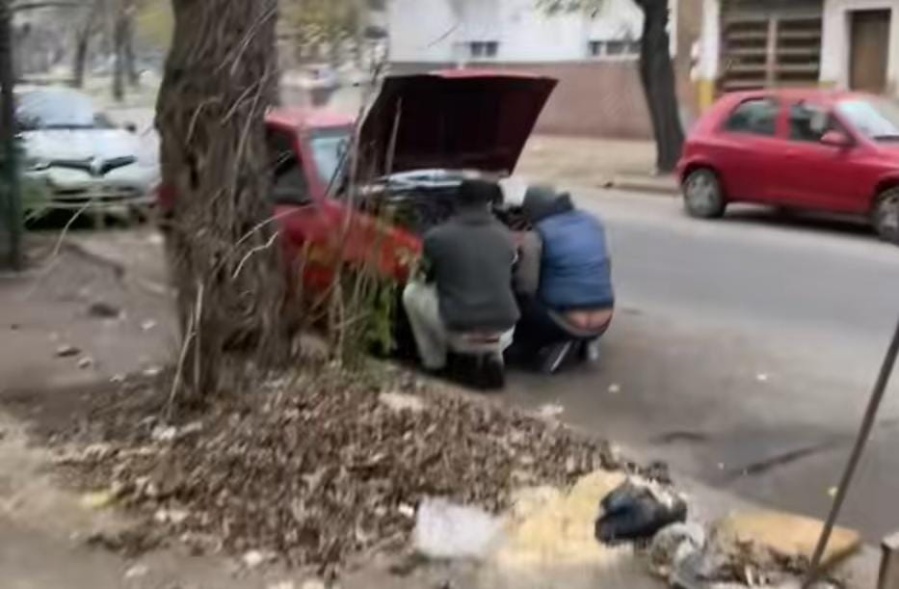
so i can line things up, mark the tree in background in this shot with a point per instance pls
(87, 26)
(223, 253)
(330, 23)
(124, 66)
(656, 73)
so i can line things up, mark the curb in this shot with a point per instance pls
(661, 185)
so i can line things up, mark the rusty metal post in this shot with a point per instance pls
(889, 563)
(880, 387)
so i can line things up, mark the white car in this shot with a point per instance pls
(84, 161)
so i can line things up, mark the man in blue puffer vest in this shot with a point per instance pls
(563, 280)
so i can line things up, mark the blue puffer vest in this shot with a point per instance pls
(575, 271)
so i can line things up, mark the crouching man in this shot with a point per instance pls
(467, 288)
(563, 281)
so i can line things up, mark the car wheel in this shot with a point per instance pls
(703, 196)
(885, 217)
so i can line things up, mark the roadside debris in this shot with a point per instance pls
(638, 509)
(614, 389)
(444, 530)
(402, 402)
(254, 558)
(67, 351)
(129, 542)
(673, 544)
(104, 310)
(136, 572)
(148, 325)
(320, 466)
(752, 549)
(85, 362)
(97, 499)
(551, 411)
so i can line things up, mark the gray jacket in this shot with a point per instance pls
(470, 258)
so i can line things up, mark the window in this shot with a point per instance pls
(289, 185)
(875, 118)
(58, 109)
(328, 151)
(617, 49)
(483, 49)
(755, 117)
(809, 123)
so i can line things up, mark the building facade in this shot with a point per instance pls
(593, 57)
(845, 44)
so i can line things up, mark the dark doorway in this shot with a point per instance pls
(869, 43)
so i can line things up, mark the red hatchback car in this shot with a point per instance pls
(816, 150)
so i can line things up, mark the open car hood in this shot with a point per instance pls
(458, 119)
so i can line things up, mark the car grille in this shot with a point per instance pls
(103, 194)
(95, 167)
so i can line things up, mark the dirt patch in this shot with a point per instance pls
(315, 469)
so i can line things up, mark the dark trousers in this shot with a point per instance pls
(538, 329)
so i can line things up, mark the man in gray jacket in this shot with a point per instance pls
(467, 289)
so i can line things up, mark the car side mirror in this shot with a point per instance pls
(836, 139)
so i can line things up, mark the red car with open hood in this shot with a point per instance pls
(422, 135)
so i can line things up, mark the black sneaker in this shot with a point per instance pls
(493, 373)
(553, 357)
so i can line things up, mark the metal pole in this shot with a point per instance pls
(883, 379)
(8, 137)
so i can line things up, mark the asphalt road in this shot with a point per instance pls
(743, 353)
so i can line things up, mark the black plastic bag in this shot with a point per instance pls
(632, 512)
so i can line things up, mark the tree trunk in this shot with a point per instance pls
(657, 77)
(79, 63)
(130, 60)
(223, 252)
(10, 189)
(128, 46)
(118, 47)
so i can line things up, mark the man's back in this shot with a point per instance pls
(471, 259)
(575, 269)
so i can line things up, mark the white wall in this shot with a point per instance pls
(835, 40)
(422, 30)
(437, 30)
(531, 35)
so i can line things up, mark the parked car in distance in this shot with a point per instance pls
(79, 157)
(815, 150)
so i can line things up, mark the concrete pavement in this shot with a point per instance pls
(743, 353)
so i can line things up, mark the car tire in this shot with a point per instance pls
(885, 216)
(703, 194)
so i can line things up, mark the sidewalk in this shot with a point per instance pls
(594, 163)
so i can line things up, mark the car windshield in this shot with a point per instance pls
(875, 118)
(58, 109)
(328, 149)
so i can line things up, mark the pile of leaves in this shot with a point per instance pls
(320, 467)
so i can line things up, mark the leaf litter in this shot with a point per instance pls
(315, 469)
